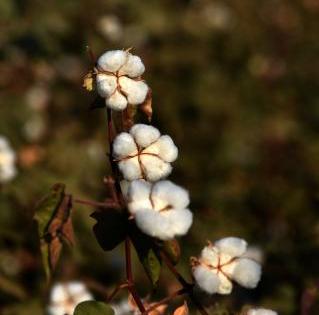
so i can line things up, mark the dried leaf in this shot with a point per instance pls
(182, 310)
(146, 107)
(88, 81)
(172, 250)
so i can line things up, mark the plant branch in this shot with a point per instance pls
(117, 289)
(187, 286)
(108, 204)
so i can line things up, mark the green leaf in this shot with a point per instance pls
(110, 229)
(47, 206)
(93, 308)
(148, 253)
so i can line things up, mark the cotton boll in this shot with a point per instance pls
(116, 101)
(206, 279)
(175, 195)
(124, 145)
(144, 135)
(167, 149)
(130, 168)
(261, 311)
(154, 224)
(155, 168)
(135, 91)
(232, 246)
(105, 84)
(133, 67)
(112, 60)
(181, 221)
(247, 273)
(225, 285)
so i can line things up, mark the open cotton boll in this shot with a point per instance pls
(112, 60)
(232, 246)
(124, 145)
(226, 258)
(206, 280)
(247, 273)
(261, 311)
(144, 135)
(133, 67)
(135, 91)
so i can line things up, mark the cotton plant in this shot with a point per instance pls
(7, 161)
(144, 208)
(64, 297)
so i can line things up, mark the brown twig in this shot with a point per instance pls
(117, 289)
(186, 285)
(108, 204)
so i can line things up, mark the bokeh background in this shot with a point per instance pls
(235, 83)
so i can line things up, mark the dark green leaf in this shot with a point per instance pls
(147, 252)
(110, 229)
(93, 308)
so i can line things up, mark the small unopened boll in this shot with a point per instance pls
(7, 161)
(118, 79)
(222, 262)
(160, 209)
(261, 311)
(64, 297)
(144, 153)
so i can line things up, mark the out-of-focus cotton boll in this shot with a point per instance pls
(226, 260)
(160, 209)
(7, 161)
(144, 153)
(34, 128)
(118, 79)
(261, 311)
(110, 27)
(37, 98)
(64, 297)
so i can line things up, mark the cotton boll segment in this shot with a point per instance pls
(112, 60)
(139, 196)
(181, 221)
(206, 280)
(154, 167)
(167, 149)
(144, 135)
(209, 255)
(247, 273)
(130, 169)
(116, 101)
(232, 246)
(133, 67)
(135, 91)
(124, 145)
(261, 311)
(105, 84)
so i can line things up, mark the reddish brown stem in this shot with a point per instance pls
(116, 291)
(187, 286)
(108, 204)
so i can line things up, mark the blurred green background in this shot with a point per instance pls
(235, 83)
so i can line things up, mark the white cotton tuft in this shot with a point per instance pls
(139, 196)
(181, 221)
(205, 279)
(130, 169)
(154, 168)
(209, 256)
(105, 84)
(112, 60)
(135, 91)
(247, 273)
(261, 311)
(116, 101)
(124, 145)
(167, 149)
(174, 195)
(7, 161)
(144, 135)
(232, 246)
(133, 67)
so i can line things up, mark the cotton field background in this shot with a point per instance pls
(234, 83)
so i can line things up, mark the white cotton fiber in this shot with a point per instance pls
(181, 221)
(154, 167)
(247, 273)
(144, 135)
(232, 246)
(261, 311)
(133, 67)
(124, 145)
(135, 91)
(112, 60)
(167, 149)
(105, 84)
(205, 279)
(116, 101)
(209, 255)
(130, 169)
